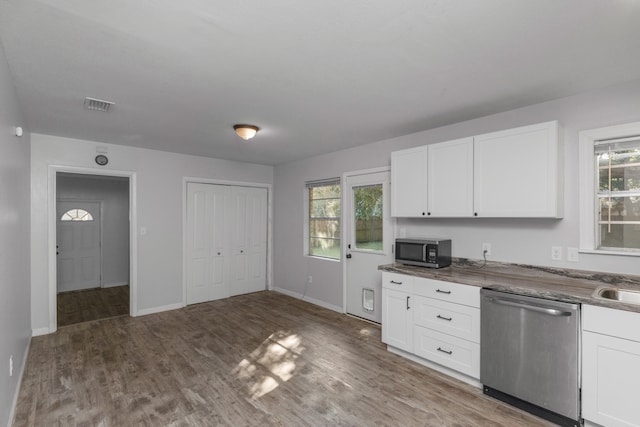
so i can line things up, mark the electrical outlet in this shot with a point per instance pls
(11, 365)
(572, 254)
(556, 253)
(310, 279)
(486, 249)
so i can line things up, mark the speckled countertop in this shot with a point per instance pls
(543, 282)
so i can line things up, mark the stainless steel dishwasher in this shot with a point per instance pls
(529, 354)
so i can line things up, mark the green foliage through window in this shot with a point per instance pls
(324, 219)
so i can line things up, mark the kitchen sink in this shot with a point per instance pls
(616, 294)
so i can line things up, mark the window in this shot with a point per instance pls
(76, 215)
(367, 208)
(618, 193)
(324, 219)
(610, 190)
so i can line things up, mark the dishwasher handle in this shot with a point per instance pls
(539, 309)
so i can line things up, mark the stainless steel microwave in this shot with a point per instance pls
(433, 253)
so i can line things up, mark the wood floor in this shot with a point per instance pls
(92, 304)
(262, 359)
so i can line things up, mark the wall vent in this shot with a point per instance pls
(97, 104)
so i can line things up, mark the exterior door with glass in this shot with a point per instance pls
(78, 245)
(369, 243)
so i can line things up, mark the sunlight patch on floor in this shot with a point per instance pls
(273, 362)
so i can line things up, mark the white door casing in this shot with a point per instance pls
(78, 247)
(363, 280)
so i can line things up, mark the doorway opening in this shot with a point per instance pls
(92, 247)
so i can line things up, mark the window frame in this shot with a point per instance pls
(588, 185)
(307, 217)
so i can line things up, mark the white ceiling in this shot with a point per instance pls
(316, 76)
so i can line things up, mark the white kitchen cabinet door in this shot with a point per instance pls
(397, 319)
(610, 366)
(409, 182)
(610, 378)
(518, 173)
(450, 178)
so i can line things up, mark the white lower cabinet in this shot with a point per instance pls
(610, 366)
(436, 321)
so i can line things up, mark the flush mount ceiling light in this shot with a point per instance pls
(246, 132)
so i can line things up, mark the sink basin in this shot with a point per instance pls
(615, 294)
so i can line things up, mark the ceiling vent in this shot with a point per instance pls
(97, 104)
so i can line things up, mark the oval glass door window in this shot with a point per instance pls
(76, 215)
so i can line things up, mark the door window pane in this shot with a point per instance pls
(368, 211)
(76, 215)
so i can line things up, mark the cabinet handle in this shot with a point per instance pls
(448, 319)
(449, 352)
(422, 213)
(408, 303)
(395, 283)
(475, 214)
(428, 213)
(443, 292)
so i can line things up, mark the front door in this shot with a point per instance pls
(369, 242)
(78, 245)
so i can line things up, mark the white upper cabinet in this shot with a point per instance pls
(517, 173)
(450, 178)
(409, 182)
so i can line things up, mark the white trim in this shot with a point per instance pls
(51, 235)
(605, 252)
(14, 403)
(114, 284)
(154, 310)
(343, 229)
(586, 140)
(309, 299)
(190, 179)
(40, 331)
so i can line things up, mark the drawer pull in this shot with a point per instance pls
(449, 352)
(395, 283)
(443, 292)
(448, 319)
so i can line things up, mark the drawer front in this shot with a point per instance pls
(455, 353)
(609, 321)
(398, 282)
(447, 291)
(458, 320)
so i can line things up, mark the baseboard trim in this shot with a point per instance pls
(115, 284)
(155, 310)
(39, 331)
(309, 299)
(14, 404)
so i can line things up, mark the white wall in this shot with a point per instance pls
(517, 240)
(113, 192)
(15, 331)
(159, 200)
